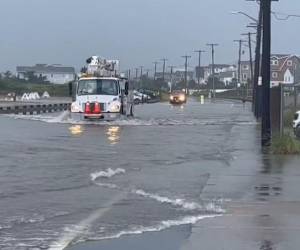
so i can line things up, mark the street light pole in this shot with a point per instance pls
(244, 14)
(212, 45)
(199, 63)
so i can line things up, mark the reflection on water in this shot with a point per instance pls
(113, 134)
(76, 130)
(270, 185)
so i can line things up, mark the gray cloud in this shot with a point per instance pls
(134, 31)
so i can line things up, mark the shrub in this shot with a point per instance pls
(285, 145)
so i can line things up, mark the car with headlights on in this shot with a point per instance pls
(178, 97)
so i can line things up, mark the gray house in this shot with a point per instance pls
(53, 73)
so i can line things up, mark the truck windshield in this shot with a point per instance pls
(296, 116)
(97, 87)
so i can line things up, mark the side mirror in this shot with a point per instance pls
(72, 90)
(126, 88)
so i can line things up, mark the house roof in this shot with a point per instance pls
(44, 68)
(279, 56)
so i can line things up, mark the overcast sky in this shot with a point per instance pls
(135, 31)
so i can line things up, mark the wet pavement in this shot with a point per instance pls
(174, 177)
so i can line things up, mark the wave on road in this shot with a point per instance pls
(157, 228)
(107, 174)
(65, 118)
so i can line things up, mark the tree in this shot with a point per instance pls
(7, 75)
(31, 77)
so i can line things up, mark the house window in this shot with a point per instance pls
(51, 75)
(245, 67)
(245, 76)
(274, 74)
(289, 63)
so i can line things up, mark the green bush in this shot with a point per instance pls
(20, 87)
(285, 145)
(288, 118)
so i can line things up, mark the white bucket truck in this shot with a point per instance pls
(101, 92)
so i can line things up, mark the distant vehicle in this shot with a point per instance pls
(101, 92)
(178, 97)
(296, 123)
(140, 97)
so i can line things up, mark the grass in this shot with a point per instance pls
(288, 117)
(285, 145)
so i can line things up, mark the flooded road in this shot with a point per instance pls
(64, 183)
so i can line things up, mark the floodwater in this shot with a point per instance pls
(64, 182)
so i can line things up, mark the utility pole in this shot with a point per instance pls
(164, 67)
(185, 73)
(240, 59)
(171, 67)
(295, 87)
(257, 99)
(155, 70)
(141, 76)
(136, 74)
(249, 34)
(199, 63)
(266, 72)
(213, 45)
(141, 72)
(147, 73)
(128, 75)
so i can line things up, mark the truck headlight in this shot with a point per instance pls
(171, 97)
(115, 107)
(75, 108)
(182, 98)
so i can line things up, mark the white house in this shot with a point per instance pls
(227, 77)
(288, 77)
(53, 73)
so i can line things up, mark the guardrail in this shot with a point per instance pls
(34, 108)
